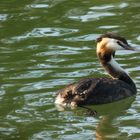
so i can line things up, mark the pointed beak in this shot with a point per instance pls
(126, 46)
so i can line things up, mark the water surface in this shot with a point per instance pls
(47, 44)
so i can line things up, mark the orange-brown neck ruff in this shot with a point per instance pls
(104, 54)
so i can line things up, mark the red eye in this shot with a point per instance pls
(119, 43)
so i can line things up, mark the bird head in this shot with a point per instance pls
(112, 42)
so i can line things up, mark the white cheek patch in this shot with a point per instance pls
(112, 44)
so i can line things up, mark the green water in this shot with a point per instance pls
(47, 44)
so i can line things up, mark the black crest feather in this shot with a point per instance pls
(112, 35)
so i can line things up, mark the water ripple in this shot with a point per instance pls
(77, 73)
(3, 17)
(31, 74)
(44, 84)
(42, 32)
(87, 37)
(62, 52)
(90, 16)
(53, 47)
(37, 6)
(138, 38)
(110, 6)
(7, 131)
(95, 12)
(109, 27)
(129, 130)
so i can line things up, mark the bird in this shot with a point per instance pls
(95, 91)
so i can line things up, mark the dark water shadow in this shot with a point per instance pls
(107, 127)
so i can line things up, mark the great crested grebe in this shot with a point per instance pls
(101, 90)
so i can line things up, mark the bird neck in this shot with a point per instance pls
(112, 67)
